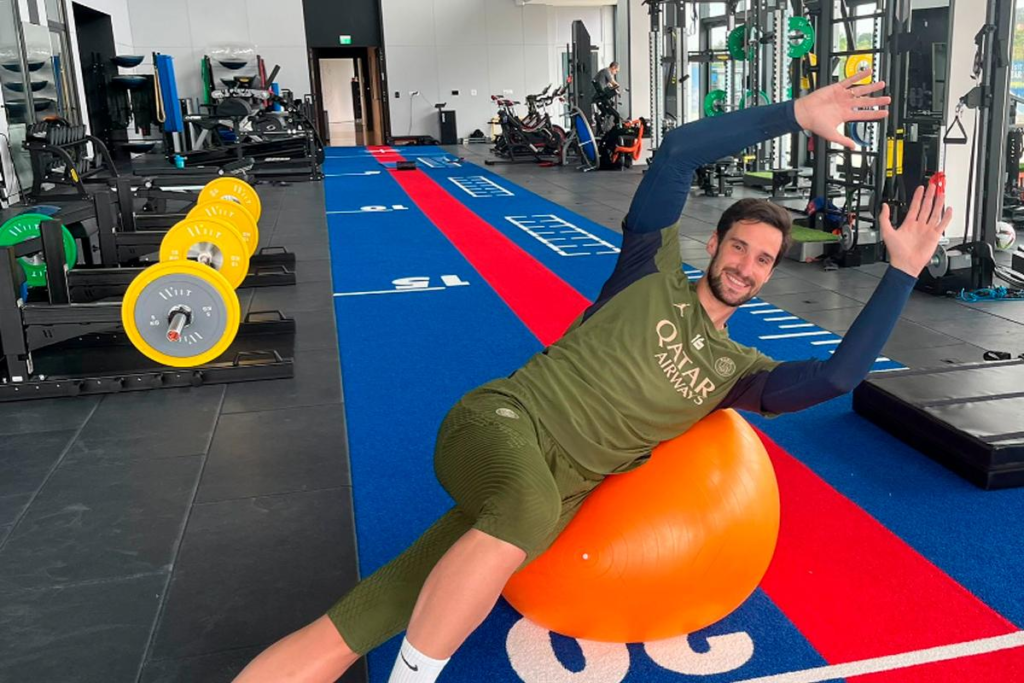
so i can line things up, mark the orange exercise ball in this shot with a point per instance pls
(665, 549)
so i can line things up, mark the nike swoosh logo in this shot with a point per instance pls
(402, 655)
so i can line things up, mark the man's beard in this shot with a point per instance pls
(718, 288)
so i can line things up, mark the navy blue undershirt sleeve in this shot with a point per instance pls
(793, 386)
(659, 200)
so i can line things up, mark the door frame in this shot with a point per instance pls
(370, 61)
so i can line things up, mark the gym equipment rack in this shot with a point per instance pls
(63, 347)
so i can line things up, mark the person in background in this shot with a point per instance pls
(606, 77)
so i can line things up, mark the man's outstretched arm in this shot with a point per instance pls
(797, 385)
(659, 200)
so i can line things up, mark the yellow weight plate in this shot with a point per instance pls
(233, 190)
(855, 63)
(180, 313)
(211, 242)
(233, 214)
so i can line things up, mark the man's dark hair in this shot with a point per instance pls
(758, 211)
(613, 64)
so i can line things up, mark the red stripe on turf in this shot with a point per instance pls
(385, 154)
(543, 301)
(856, 591)
(848, 584)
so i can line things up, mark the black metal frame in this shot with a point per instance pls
(880, 181)
(123, 245)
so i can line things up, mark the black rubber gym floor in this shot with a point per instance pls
(155, 536)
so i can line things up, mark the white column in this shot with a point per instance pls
(965, 20)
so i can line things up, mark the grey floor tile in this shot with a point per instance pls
(787, 285)
(861, 294)
(315, 330)
(1007, 310)
(93, 632)
(878, 269)
(47, 415)
(219, 667)
(309, 237)
(803, 302)
(938, 356)
(306, 251)
(26, 460)
(313, 270)
(317, 381)
(835, 279)
(101, 520)
(1014, 343)
(836, 320)
(150, 424)
(4, 531)
(279, 451)
(968, 324)
(307, 296)
(909, 336)
(698, 232)
(233, 588)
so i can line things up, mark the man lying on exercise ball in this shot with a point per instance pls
(644, 363)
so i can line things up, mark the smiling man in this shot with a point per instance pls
(644, 363)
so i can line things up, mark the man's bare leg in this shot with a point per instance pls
(457, 596)
(312, 654)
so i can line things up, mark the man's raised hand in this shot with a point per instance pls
(826, 109)
(912, 246)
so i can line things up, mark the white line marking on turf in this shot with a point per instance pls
(338, 175)
(900, 661)
(758, 304)
(780, 318)
(793, 327)
(826, 342)
(479, 186)
(794, 334)
(767, 311)
(539, 225)
(392, 291)
(890, 369)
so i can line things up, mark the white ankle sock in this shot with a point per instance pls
(412, 666)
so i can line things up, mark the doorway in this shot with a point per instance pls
(350, 95)
(343, 106)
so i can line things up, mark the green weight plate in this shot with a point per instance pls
(738, 41)
(714, 103)
(26, 227)
(801, 37)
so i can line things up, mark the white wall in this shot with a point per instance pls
(639, 60)
(966, 20)
(187, 29)
(336, 82)
(491, 46)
